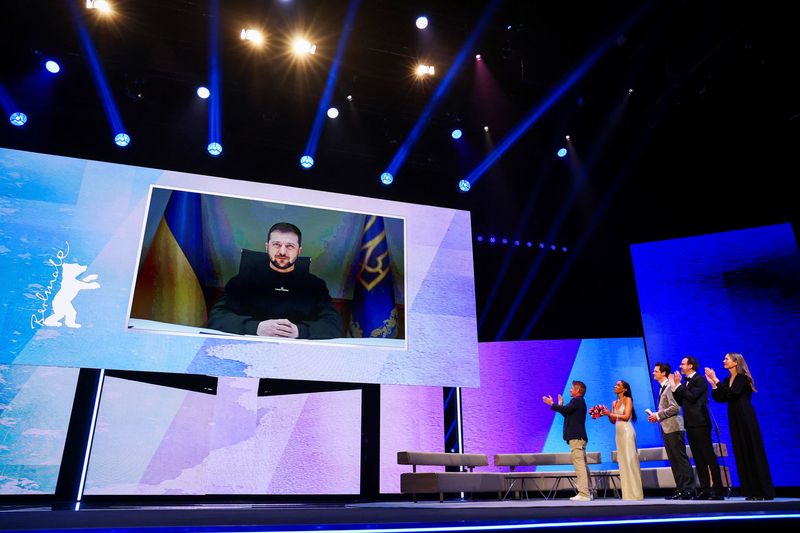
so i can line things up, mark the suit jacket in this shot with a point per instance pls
(693, 397)
(668, 411)
(574, 418)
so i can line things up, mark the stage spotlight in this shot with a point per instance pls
(492, 240)
(349, 97)
(252, 35)
(456, 133)
(18, 119)
(553, 247)
(566, 137)
(561, 152)
(541, 245)
(302, 47)
(504, 241)
(630, 91)
(122, 139)
(423, 70)
(333, 112)
(214, 148)
(529, 244)
(516, 243)
(422, 22)
(464, 185)
(564, 249)
(486, 129)
(203, 92)
(477, 57)
(52, 67)
(100, 5)
(479, 238)
(387, 178)
(306, 161)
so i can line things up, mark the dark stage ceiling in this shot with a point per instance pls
(707, 141)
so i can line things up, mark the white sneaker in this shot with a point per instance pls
(581, 498)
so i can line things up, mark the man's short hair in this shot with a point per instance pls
(286, 227)
(693, 362)
(664, 368)
(581, 387)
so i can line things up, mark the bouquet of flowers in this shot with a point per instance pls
(597, 411)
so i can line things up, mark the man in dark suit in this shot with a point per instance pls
(669, 418)
(575, 435)
(693, 397)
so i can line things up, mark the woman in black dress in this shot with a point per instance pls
(748, 446)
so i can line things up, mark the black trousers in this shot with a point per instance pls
(679, 461)
(704, 457)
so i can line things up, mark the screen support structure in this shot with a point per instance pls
(78, 443)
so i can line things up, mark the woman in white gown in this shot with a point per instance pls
(622, 415)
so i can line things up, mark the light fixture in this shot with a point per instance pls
(303, 47)
(252, 35)
(349, 97)
(52, 66)
(465, 186)
(100, 5)
(333, 112)
(478, 57)
(306, 161)
(214, 148)
(423, 70)
(122, 139)
(422, 22)
(18, 119)
(456, 133)
(387, 178)
(486, 129)
(203, 92)
(561, 152)
(567, 137)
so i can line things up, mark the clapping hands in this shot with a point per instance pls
(674, 379)
(549, 400)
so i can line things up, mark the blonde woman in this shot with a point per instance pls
(748, 445)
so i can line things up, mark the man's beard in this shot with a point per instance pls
(279, 266)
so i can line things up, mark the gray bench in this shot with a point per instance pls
(547, 483)
(660, 477)
(442, 482)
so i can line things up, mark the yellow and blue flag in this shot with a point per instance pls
(374, 312)
(168, 287)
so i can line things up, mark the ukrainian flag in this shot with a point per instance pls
(374, 313)
(168, 287)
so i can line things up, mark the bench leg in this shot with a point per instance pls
(441, 497)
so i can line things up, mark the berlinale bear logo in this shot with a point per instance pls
(70, 287)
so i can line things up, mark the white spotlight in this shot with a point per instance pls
(101, 5)
(203, 92)
(422, 22)
(425, 70)
(566, 137)
(252, 35)
(302, 47)
(349, 97)
(486, 129)
(478, 57)
(333, 112)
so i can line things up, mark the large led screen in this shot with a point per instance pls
(173, 441)
(113, 266)
(737, 291)
(35, 406)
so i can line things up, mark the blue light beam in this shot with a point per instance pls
(466, 50)
(215, 87)
(333, 74)
(553, 97)
(98, 76)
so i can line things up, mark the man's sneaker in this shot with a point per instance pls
(581, 498)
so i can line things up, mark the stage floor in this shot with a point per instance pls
(780, 514)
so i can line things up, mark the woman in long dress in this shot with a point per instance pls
(622, 415)
(748, 445)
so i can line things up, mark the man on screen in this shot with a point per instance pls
(280, 301)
